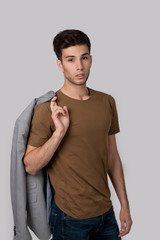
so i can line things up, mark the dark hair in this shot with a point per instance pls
(68, 38)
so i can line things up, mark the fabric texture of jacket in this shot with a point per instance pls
(28, 193)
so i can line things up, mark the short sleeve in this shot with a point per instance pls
(42, 126)
(114, 128)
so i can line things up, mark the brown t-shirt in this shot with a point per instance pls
(78, 169)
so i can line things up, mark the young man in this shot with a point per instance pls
(74, 137)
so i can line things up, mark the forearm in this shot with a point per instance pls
(115, 172)
(117, 178)
(38, 158)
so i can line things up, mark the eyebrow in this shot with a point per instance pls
(72, 56)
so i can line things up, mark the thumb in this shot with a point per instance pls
(123, 226)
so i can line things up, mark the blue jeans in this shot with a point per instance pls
(65, 227)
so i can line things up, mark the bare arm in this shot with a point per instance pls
(36, 158)
(116, 175)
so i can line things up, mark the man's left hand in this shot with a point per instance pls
(126, 221)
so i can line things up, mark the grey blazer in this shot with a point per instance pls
(28, 193)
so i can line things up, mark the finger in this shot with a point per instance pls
(53, 101)
(123, 229)
(65, 109)
(128, 226)
(122, 234)
(123, 226)
(52, 106)
(54, 98)
(59, 111)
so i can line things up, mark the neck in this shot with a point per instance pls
(76, 92)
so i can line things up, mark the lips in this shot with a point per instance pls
(80, 75)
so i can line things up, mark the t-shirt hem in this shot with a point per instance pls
(114, 132)
(35, 144)
(86, 216)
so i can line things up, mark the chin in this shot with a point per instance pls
(78, 82)
(81, 83)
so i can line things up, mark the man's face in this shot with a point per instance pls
(75, 64)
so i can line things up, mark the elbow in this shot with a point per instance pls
(30, 170)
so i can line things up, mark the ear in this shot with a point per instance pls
(91, 60)
(60, 65)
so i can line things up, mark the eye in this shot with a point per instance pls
(70, 60)
(84, 58)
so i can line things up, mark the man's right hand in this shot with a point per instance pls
(38, 157)
(60, 117)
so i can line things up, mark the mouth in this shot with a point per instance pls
(80, 75)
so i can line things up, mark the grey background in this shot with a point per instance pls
(126, 58)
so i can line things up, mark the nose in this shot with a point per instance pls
(79, 65)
